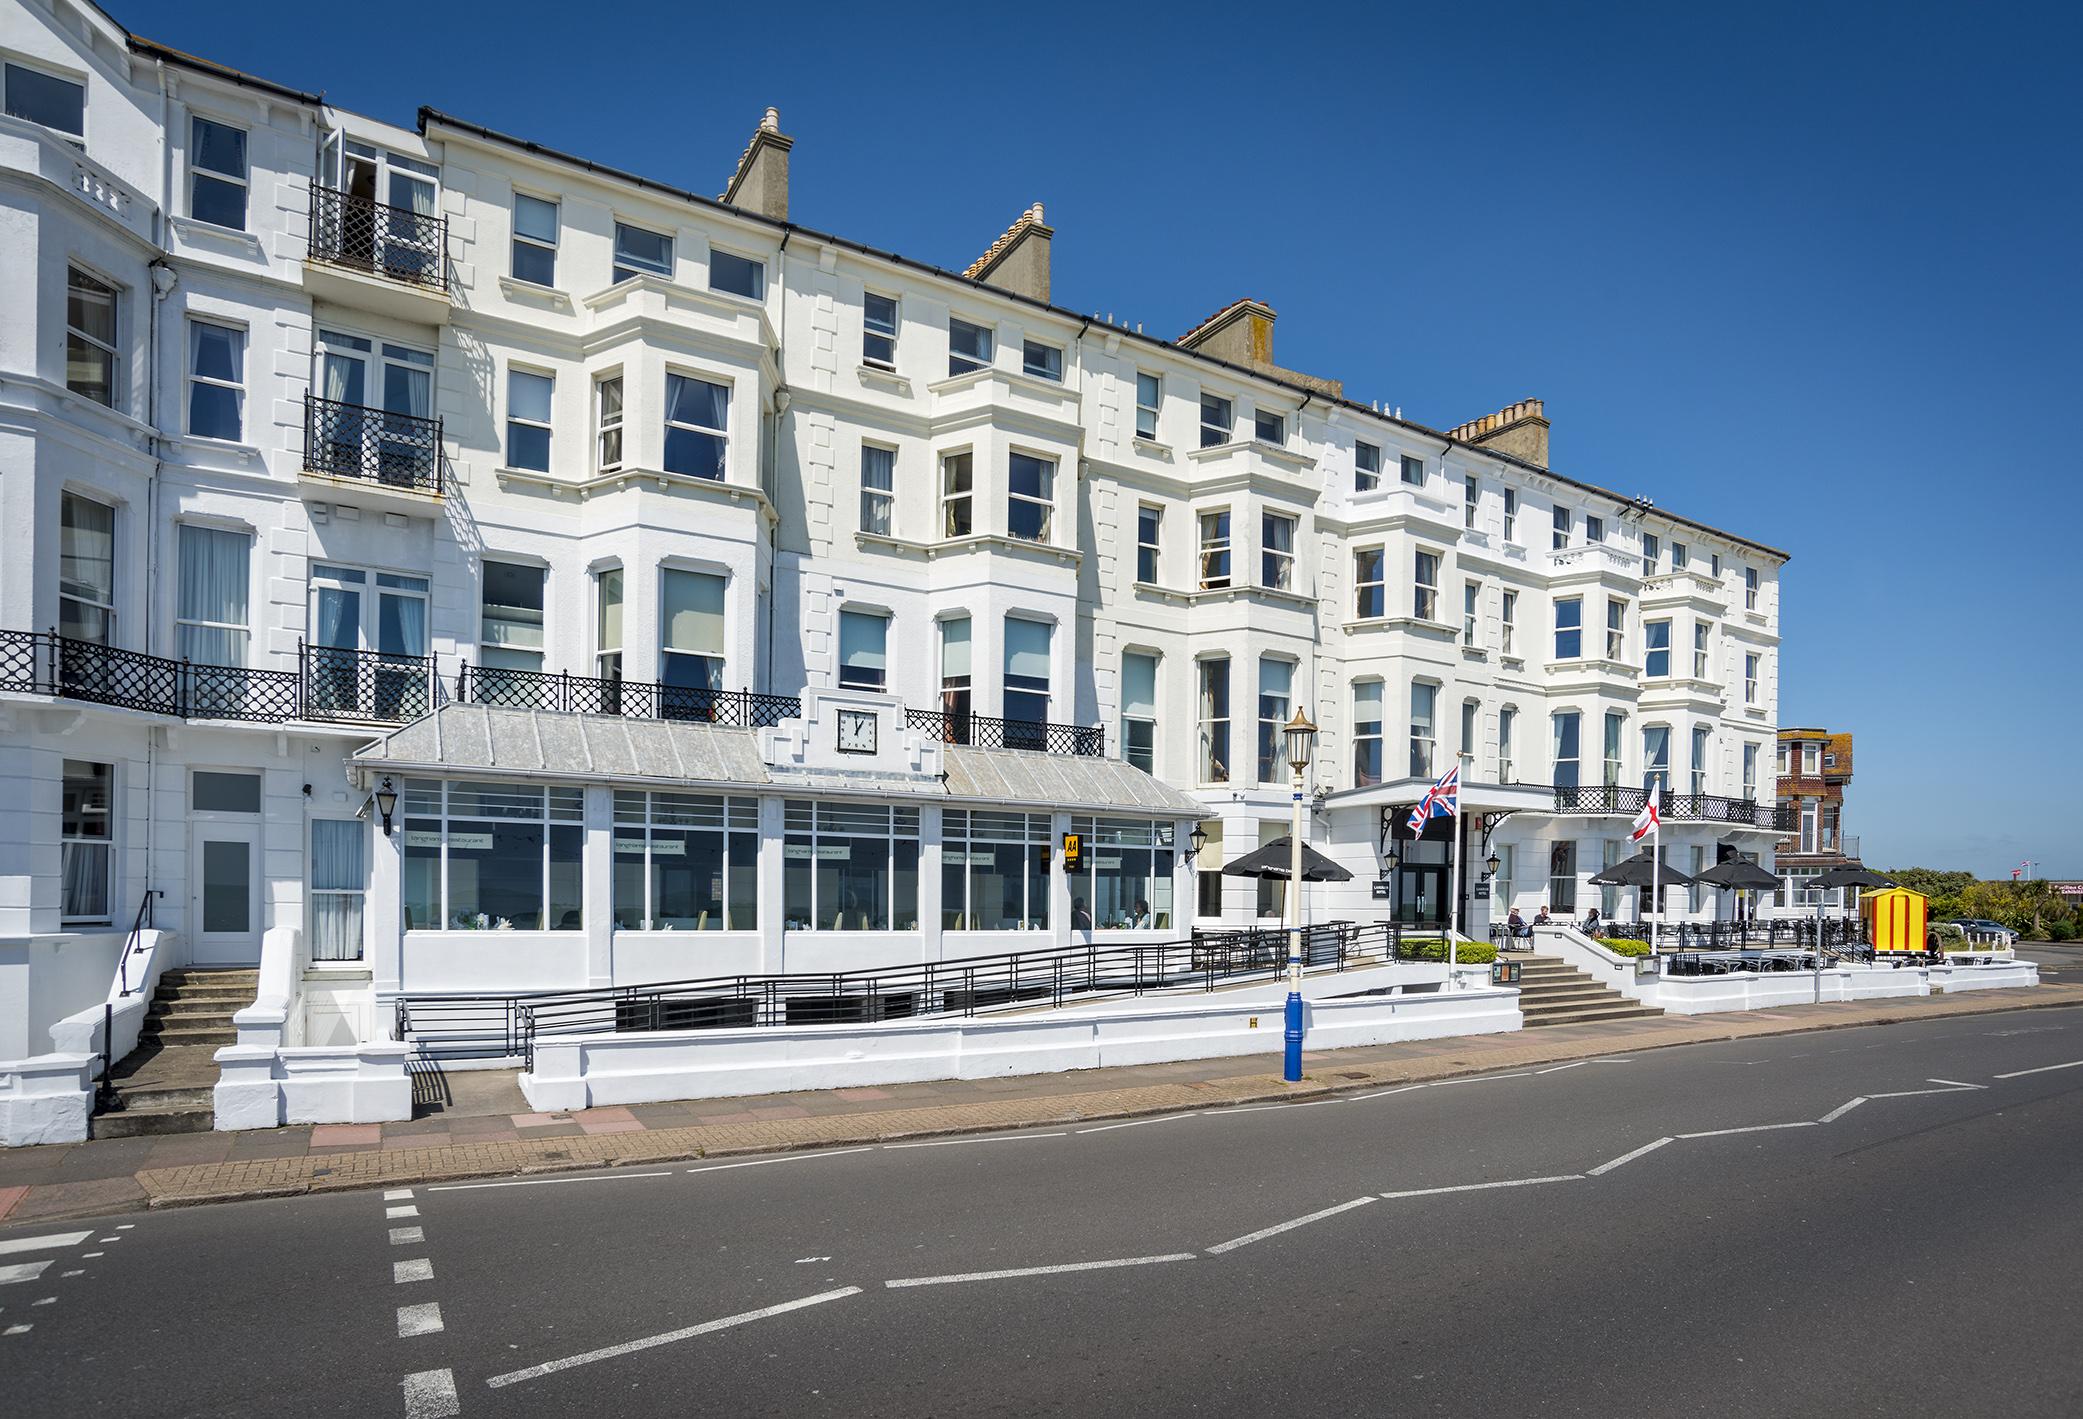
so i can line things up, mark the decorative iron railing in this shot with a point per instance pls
(632, 699)
(1837, 933)
(393, 242)
(46, 663)
(990, 732)
(508, 1026)
(1620, 801)
(400, 451)
(366, 685)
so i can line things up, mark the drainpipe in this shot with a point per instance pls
(163, 278)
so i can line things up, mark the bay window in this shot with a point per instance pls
(1367, 735)
(849, 867)
(1616, 628)
(492, 856)
(510, 622)
(957, 484)
(1567, 727)
(1370, 586)
(1701, 738)
(685, 862)
(1026, 685)
(1616, 735)
(607, 419)
(1030, 497)
(955, 685)
(1276, 679)
(607, 593)
(1507, 726)
(1215, 719)
(1215, 549)
(994, 871)
(1656, 649)
(1139, 710)
(696, 418)
(1424, 586)
(1569, 627)
(1699, 650)
(690, 648)
(1656, 757)
(1277, 552)
(1750, 772)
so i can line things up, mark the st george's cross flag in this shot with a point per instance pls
(1442, 800)
(1651, 817)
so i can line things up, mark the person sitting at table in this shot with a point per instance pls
(1516, 924)
(1590, 923)
(1541, 917)
(1080, 919)
(1139, 919)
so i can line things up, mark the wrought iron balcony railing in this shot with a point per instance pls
(401, 451)
(1619, 801)
(584, 694)
(990, 732)
(46, 663)
(366, 685)
(396, 243)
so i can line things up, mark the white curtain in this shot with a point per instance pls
(213, 588)
(404, 625)
(86, 880)
(337, 881)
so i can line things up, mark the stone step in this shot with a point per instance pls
(1556, 999)
(1625, 1010)
(164, 1097)
(186, 1007)
(139, 1123)
(193, 975)
(184, 1033)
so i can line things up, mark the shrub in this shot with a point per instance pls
(1433, 948)
(2061, 931)
(1624, 945)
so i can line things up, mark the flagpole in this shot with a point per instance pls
(1454, 930)
(1656, 887)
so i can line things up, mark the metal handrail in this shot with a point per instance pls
(992, 732)
(507, 1026)
(139, 925)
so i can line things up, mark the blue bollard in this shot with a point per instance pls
(1292, 1072)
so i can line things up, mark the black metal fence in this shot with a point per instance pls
(633, 699)
(46, 663)
(1616, 800)
(376, 446)
(990, 732)
(359, 685)
(1836, 933)
(364, 235)
(508, 1026)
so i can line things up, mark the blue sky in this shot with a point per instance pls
(1808, 273)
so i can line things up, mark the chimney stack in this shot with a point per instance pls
(1019, 260)
(1242, 334)
(1519, 429)
(761, 182)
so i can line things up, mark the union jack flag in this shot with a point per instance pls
(1442, 800)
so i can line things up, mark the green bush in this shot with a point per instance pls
(2061, 931)
(1624, 945)
(1433, 948)
(1949, 934)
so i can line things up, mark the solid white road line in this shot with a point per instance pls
(2043, 1069)
(1754, 1128)
(421, 1269)
(1038, 1270)
(951, 1142)
(1137, 1123)
(22, 1271)
(1244, 1241)
(431, 1394)
(543, 1182)
(1383, 1094)
(1255, 1108)
(705, 1328)
(1558, 1068)
(1482, 1187)
(1956, 1083)
(791, 1158)
(1603, 1168)
(1481, 1078)
(398, 1194)
(419, 1320)
(394, 1213)
(1914, 1093)
(400, 1236)
(55, 1239)
(1842, 1109)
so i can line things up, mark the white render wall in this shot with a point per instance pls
(783, 527)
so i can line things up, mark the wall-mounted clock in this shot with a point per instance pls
(856, 731)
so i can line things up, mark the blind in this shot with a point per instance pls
(1139, 686)
(954, 647)
(692, 606)
(1276, 678)
(611, 609)
(863, 639)
(1027, 649)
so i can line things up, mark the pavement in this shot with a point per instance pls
(476, 1124)
(1875, 1219)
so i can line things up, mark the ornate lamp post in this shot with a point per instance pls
(1301, 741)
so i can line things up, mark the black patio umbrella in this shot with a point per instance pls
(1636, 871)
(1741, 874)
(1272, 861)
(1849, 875)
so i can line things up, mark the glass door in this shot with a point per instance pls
(335, 639)
(224, 877)
(407, 453)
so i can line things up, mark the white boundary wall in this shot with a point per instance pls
(583, 1071)
(270, 1078)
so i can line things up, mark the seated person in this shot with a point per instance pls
(1080, 919)
(1590, 925)
(1516, 924)
(1541, 918)
(1139, 919)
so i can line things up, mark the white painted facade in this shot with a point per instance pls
(786, 528)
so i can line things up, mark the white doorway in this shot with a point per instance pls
(224, 893)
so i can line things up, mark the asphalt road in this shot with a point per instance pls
(1508, 1244)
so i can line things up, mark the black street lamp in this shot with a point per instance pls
(386, 804)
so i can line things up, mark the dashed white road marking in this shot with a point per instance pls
(1842, 1109)
(994, 1138)
(1137, 1122)
(398, 1194)
(1754, 1128)
(45, 1301)
(22, 1271)
(55, 1239)
(401, 1236)
(1109, 1265)
(92, 1254)
(630, 1347)
(99, 1240)
(1625, 1158)
(1483, 1187)
(1264, 1232)
(543, 1182)
(790, 1158)
(126, 1226)
(421, 1269)
(1957, 1084)
(66, 1275)
(430, 1394)
(396, 1212)
(806, 1260)
(422, 1319)
(1256, 1108)
(17, 1330)
(2043, 1069)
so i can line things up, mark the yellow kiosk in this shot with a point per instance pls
(1896, 919)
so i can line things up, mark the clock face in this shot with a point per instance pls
(856, 732)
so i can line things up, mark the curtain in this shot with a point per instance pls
(213, 587)
(402, 628)
(337, 881)
(339, 618)
(86, 880)
(409, 391)
(696, 402)
(343, 379)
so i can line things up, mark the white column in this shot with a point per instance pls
(597, 885)
(931, 945)
(383, 914)
(772, 954)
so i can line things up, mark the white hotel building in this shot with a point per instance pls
(718, 595)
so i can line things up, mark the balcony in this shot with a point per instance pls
(990, 732)
(373, 256)
(1612, 800)
(395, 456)
(584, 694)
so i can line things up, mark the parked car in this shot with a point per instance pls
(1993, 933)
